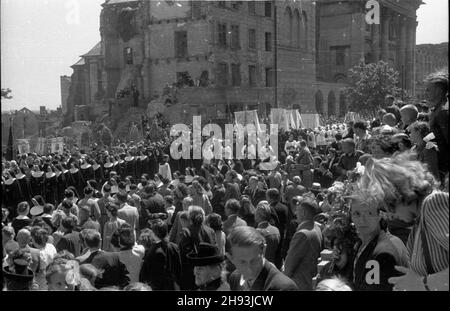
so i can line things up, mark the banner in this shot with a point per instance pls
(57, 145)
(23, 146)
(278, 116)
(310, 121)
(352, 117)
(40, 146)
(299, 120)
(247, 117)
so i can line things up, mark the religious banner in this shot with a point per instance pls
(57, 145)
(23, 146)
(278, 116)
(239, 117)
(352, 117)
(291, 116)
(298, 118)
(251, 117)
(310, 121)
(40, 146)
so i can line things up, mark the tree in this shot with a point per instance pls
(369, 85)
(6, 94)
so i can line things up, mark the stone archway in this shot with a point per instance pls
(331, 103)
(320, 107)
(342, 105)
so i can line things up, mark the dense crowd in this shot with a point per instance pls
(341, 196)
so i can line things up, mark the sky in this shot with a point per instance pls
(41, 39)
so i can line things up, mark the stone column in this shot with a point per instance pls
(403, 53)
(410, 55)
(385, 20)
(376, 42)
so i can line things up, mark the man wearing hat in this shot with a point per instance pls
(207, 264)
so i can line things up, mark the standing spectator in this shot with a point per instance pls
(89, 200)
(304, 248)
(111, 226)
(305, 161)
(200, 198)
(161, 267)
(152, 205)
(347, 161)
(164, 168)
(270, 233)
(281, 210)
(218, 198)
(102, 202)
(232, 208)
(247, 211)
(47, 252)
(253, 272)
(86, 221)
(254, 190)
(130, 254)
(70, 241)
(426, 152)
(362, 137)
(22, 220)
(214, 221)
(127, 212)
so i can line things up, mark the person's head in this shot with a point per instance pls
(360, 128)
(291, 137)
(389, 100)
(196, 215)
(207, 262)
(8, 233)
(107, 190)
(436, 88)
(246, 252)
(303, 144)
(232, 207)
(150, 189)
(399, 183)
(159, 227)
(23, 208)
(48, 208)
(263, 213)
(338, 136)
(69, 194)
(273, 195)
(409, 114)
(88, 191)
(253, 182)
(68, 224)
(418, 131)
(365, 213)
(23, 237)
(66, 206)
(334, 285)
(214, 221)
(92, 238)
(122, 197)
(38, 200)
(306, 210)
(39, 236)
(197, 188)
(389, 119)
(57, 274)
(89, 272)
(187, 201)
(348, 145)
(126, 236)
(146, 238)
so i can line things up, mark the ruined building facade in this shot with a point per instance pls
(216, 57)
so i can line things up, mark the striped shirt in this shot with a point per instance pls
(435, 214)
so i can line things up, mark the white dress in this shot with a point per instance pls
(46, 256)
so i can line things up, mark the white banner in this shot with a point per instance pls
(352, 117)
(310, 121)
(23, 146)
(40, 146)
(279, 116)
(57, 145)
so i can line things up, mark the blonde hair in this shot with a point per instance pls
(332, 285)
(398, 179)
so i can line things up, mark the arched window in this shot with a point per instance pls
(331, 103)
(297, 29)
(319, 102)
(304, 31)
(288, 19)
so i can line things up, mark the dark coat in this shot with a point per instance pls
(149, 208)
(161, 267)
(255, 196)
(115, 272)
(70, 242)
(218, 201)
(190, 241)
(269, 279)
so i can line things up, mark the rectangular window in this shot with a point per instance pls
(196, 9)
(222, 30)
(252, 7)
(269, 77)
(235, 40)
(268, 41)
(235, 74)
(223, 74)
(181, 44)
(252, 39)
(267, 9)
(251, 75)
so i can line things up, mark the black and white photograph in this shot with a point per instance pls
(231, 146)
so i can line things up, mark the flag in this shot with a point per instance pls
(10, 147)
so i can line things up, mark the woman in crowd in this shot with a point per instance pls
(200, 198)
(47, 252)
(111, 226)
(407, 190)
(379, 248)
(426, 151)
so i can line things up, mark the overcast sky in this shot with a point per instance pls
(41, 39)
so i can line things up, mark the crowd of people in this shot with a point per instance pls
(341, 196)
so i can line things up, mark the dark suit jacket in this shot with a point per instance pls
(257, 196)
(115, 272)
(302, 257)
(270, 278)
(70, 242)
